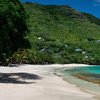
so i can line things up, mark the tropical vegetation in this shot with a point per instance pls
(45, 34)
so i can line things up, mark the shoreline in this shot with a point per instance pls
(58, 73)
(48, 87)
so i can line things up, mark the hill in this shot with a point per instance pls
(57, 34)
(60, 34)
(92, 18)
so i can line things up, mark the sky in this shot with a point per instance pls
(89, 6)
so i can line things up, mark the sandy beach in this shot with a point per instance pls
(37, 82)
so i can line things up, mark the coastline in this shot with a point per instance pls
(48, 87)
(60, 72)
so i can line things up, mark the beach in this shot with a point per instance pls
(38, 82)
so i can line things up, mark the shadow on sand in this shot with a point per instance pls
(18, 78)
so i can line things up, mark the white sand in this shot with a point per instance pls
(49, 87)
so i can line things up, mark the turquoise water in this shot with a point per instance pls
(92, 72)
(88, 70)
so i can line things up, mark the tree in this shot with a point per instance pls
(12, 27)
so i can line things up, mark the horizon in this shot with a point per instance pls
(92, 7)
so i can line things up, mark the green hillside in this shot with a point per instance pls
(60, 34)
(57, 34)
(92, 18)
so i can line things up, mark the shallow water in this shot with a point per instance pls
(88, 70)
(85, 77)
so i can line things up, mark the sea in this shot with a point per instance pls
(87, 78)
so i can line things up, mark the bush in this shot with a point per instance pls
(12, 28)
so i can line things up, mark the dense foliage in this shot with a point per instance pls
(92, 18)
(60, 34)
(12, 28)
